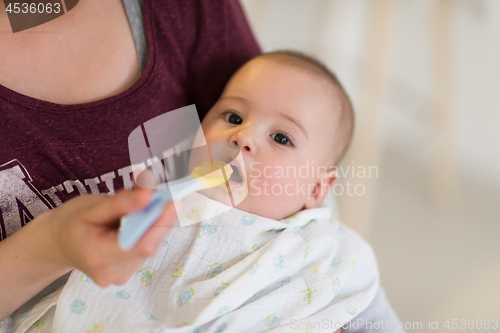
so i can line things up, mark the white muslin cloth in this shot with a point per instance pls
(233, 272)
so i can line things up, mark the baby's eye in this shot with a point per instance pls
(233, 118)
(281, 139)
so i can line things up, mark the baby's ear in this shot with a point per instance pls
(319, 191)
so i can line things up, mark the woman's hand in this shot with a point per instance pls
(83, 233)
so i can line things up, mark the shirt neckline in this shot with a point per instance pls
(50, 107)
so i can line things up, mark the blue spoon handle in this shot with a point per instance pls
(134, 225)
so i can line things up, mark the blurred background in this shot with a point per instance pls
(424, 77)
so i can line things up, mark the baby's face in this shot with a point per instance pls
(283, 119)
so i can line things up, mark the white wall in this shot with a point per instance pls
(335, 32)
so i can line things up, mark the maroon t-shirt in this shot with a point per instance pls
(50, 153)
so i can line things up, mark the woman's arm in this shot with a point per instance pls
(81, 233)
(25, 270)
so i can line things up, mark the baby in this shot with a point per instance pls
(279, 260)
(286, 112)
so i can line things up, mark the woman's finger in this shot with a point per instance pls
(144, 179)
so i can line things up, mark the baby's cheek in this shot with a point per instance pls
(276, 197)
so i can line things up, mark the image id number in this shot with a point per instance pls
(33, 8)
(471, 324)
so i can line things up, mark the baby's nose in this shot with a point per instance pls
(245, 147)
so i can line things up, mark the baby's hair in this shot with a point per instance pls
(346, 121)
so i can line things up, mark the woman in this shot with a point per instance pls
(70, 94)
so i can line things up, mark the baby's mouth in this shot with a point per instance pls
(236, 176)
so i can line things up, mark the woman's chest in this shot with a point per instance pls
(86, 55)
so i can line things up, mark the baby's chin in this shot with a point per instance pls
(272, 207)
(217, 194)
(224, 194)
(261, 206)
